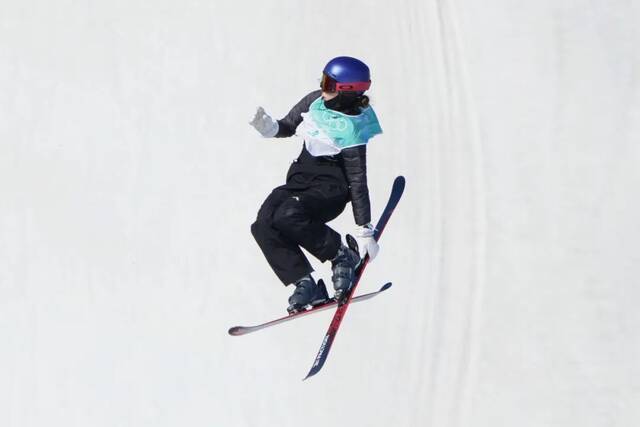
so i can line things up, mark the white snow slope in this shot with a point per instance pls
(129, 178)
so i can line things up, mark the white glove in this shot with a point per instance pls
(366, 242)
(264, 124)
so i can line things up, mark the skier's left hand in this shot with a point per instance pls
(366, 242)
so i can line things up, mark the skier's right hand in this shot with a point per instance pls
(264, 124)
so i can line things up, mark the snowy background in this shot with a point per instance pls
(129, 178)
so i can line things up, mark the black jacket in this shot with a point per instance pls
(353, 161)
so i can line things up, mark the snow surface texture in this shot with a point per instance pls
(129, 178)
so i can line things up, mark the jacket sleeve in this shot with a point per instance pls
(355, 168)
(288, 124)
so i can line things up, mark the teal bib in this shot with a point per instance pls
(345, 130)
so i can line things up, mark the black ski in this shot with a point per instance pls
(325, 347)
(243, 330)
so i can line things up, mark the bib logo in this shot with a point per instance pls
(334, 122)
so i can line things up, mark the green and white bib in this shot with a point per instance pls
(327, 132)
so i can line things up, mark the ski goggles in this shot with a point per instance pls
(328, 84)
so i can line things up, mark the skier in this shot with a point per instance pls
(336, 123)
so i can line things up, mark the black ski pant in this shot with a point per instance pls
(292, 217)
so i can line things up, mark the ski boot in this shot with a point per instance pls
(307, 292)
(322, 296)
(344, 271)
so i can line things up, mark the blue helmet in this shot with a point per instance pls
(345, 73)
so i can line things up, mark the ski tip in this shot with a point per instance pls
(385, 286)
(311, 373)
(235, 331)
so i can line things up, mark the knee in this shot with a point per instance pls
(256, 229)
